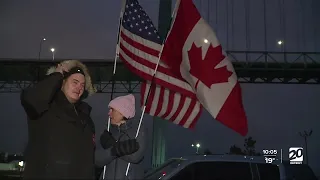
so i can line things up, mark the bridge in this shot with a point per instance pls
(266, 67)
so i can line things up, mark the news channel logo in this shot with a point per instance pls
(296, 155)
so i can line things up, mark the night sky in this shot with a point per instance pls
(87, 29)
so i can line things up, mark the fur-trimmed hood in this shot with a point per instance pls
(75, 63)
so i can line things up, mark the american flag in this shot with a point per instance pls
(171, 98)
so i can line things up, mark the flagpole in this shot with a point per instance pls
(152, 80)
(160, 53)
(117, 54)
(114, 68)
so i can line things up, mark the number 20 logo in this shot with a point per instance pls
(295, 154)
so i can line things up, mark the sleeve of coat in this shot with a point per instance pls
(103, 157)
(35, 100)
(138, 156)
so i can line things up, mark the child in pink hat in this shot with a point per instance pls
(120, 144)
(122, 108)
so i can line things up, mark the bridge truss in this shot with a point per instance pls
(251, 67)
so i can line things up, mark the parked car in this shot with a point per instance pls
(229, 167)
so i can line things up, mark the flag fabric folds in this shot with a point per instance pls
(139, 46)
(170, 105)
(193, 52)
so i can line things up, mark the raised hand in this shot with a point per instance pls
(107, 140)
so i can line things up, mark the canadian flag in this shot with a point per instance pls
(193, 52)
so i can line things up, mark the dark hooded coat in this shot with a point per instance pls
(61, 135)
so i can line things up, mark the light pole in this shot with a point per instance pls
(281, 44)
(305, 135)
(52, 50)
(197, 146)
(39, 56)
(41, 42)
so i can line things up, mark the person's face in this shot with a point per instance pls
(116, 118)
(73, 87)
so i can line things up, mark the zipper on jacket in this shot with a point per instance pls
(116, 160)
(75, 110)
(119, 130)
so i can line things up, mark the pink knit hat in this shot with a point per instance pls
(125, 105)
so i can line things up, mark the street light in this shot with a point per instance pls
(52, 50)
(305, 135)
(197, 146)
(281, 44)
(41, 42)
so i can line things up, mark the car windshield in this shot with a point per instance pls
(164, 168)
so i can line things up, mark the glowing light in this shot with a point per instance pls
(21, 163)
(280, 42)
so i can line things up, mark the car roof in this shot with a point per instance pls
(187, 160)
(226, 158)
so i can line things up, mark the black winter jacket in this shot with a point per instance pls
(61, 134)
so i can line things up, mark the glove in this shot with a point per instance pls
(126, 147)
(107, 140)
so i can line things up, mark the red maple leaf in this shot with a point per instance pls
(205, 69)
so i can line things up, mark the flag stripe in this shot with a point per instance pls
(143, 64)
(148, 47)
(162, 79)
(187, 112)
(160, 103)
(143, 58)
(165, 103)
(181, 110)
(194, 115)
(191, 116)
(151, 98)
(143, 87)
(182, 101)
(169, 105)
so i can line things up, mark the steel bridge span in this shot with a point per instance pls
(299, 68)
